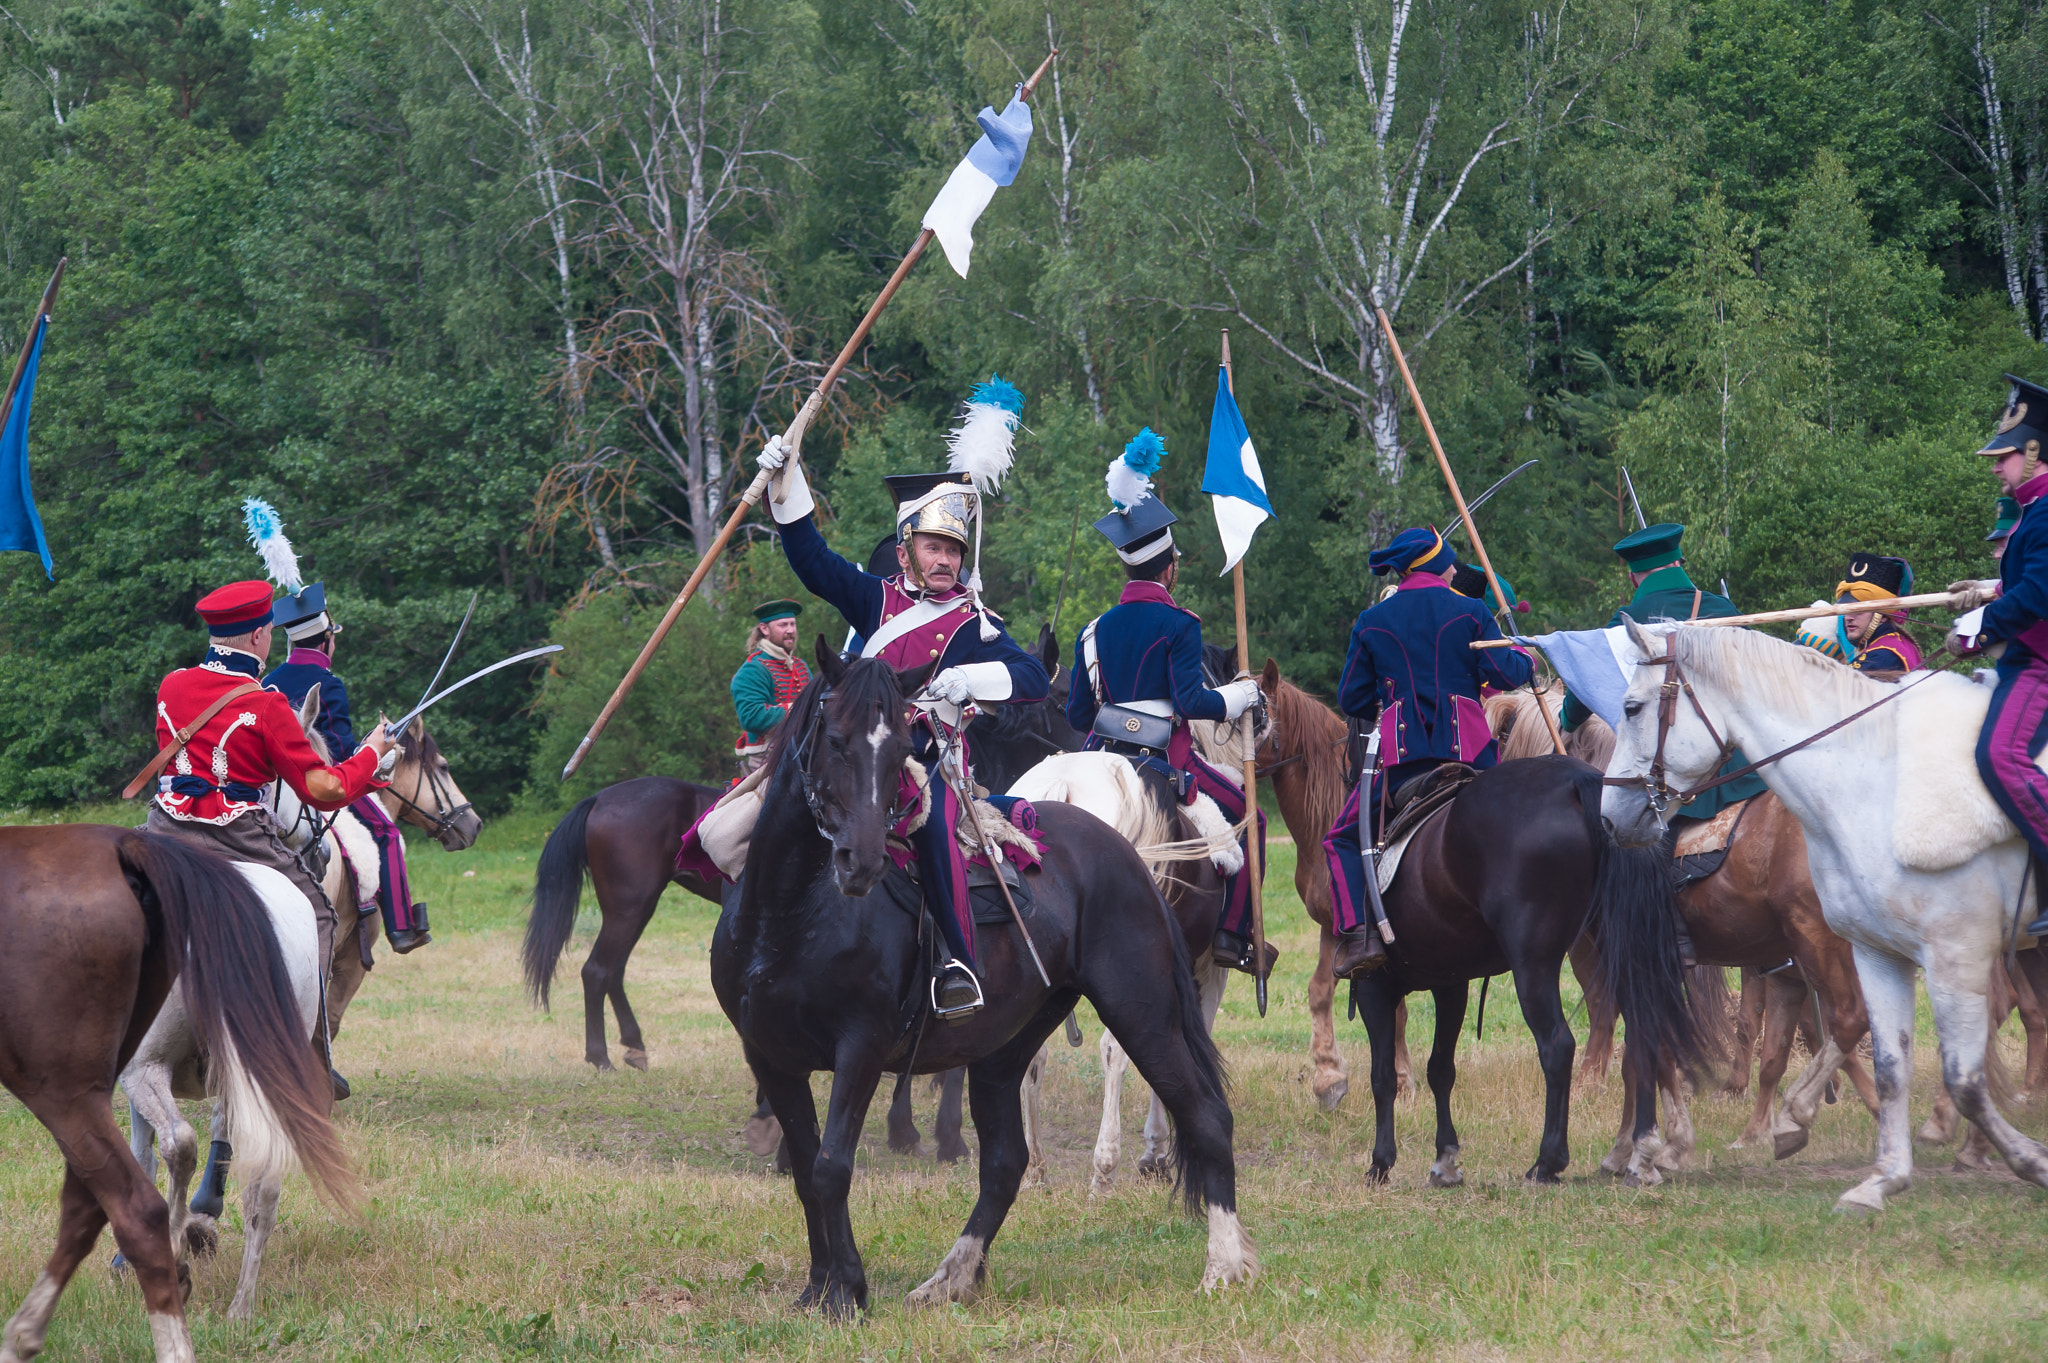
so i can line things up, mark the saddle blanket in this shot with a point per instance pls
(1390, 857)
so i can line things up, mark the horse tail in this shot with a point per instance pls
(1634, 919)
(217, 936)
(557, 893)
(1212, 1079)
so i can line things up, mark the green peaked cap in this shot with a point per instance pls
(1651, 547)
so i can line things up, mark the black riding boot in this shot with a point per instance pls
(212, 1192)
(956, 993)
(412, 938)
(1233, 952)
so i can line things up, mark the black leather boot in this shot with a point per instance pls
(955, 991)
(408, 939)
(1233, 952)
(212, 1193)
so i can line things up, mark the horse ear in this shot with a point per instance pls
(1048, 647)
(309, 708)
(1269, 680)
(830, 665)
(911, 680)
(1639, 636)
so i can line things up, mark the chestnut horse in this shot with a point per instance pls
(98, 924)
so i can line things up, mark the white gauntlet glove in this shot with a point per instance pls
(1238, 696)
(387, 764)
(797, 501)
(951, 686)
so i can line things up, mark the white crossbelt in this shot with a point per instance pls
(1161, 708)
(923, 613)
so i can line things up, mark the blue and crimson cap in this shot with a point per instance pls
(2024, 422)
(1654, 546)
(1417, 550)
(236, 608)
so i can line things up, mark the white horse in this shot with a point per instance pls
(169, 1065)
(1913, 861)
(1109, 787)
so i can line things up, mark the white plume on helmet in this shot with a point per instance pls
(266, 533)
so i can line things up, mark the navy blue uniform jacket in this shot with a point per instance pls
(860, 596)
(295, 679)
(2022, 603)
(1148, 648)
(1413, 649)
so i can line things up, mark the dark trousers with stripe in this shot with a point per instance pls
(1350, 905)
(2013, 735)
(1229, 798)
(942, 870)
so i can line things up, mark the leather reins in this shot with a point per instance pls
(1658, 788)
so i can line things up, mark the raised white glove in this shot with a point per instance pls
(951, 686)
(1970, 593)
(1238, 696)
(387, 764)
(797, 501)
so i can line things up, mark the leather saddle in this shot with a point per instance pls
(1413, 803)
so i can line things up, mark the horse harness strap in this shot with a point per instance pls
(1659, 789)
(180, 737)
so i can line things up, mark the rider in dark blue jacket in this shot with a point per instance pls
(1411, 668)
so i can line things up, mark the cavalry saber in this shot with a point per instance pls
(793, 437)
(989, 849)
(1481, 500)
(1458, 499)
(1066, 573)
(400, 726)
(1890, 603)
(1630, 483)
(1367, 846)
(453, 644)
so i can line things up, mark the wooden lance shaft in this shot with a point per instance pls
(1251, 760)
(1889, 603)
(21, 365)
(793, 438)
(1458, 499)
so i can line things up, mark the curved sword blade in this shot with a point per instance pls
(400, 726)
(1473, 506)
(449, 656)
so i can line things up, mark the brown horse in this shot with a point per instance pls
(98, 923)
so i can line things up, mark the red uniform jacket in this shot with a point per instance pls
(218, 776)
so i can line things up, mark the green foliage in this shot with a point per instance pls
(1755, 250)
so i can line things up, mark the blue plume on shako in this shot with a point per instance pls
(1130, 477)
(266, 532)
(984, 444)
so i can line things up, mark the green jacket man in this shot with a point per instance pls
(769, 680)
(1664, 592)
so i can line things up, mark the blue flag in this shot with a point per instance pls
(20, 527)
(1232, 476)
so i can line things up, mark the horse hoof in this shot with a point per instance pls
(601, 1063)
(957, 1277)
(1785, 1144)
(637, 1058)
(1155, 1167)
(184, 1282)
(1542, 1177)
(911, 1145)
(952, 1152)
(1932, 1132)
(202, 1237)
(1377, 1176)
(1327, 1099)
(1454, 1179)
(1860, 1201)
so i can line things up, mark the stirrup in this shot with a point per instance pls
(953, 969)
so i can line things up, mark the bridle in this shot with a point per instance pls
(1656, 786)
(807, 778)
(442, 818)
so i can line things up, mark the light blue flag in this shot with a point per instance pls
(20, 527)
(1232, 476)
(1596, 665)
(990, 164)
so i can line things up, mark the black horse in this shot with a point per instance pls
(817, 973)
(1503, 882)
(625, 839)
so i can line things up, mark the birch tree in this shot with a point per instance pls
(1360, 135)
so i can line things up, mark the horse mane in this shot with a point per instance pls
(865, 681)
(1790, 678)
(1318, 735)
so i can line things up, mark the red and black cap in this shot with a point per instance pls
(236, 608)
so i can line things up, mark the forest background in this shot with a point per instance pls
(503, 297)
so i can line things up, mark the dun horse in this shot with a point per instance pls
(818, 973)
(99, 924)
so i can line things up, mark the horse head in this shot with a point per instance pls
(1665, 744)
(850, 735)
(426, 794)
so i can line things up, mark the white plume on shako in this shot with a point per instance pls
(266, 532)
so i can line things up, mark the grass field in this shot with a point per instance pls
(521, 1206)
